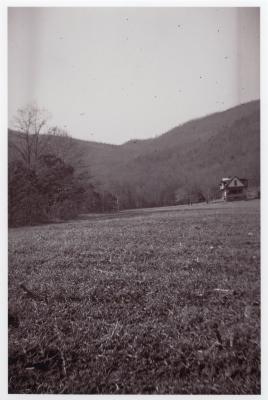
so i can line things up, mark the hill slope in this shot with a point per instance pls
(193, 156)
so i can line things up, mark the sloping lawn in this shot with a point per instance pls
(157, 302)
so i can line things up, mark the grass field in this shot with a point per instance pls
(147, 301)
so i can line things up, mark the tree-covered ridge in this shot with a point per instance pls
(189, 160)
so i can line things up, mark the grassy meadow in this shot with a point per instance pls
(163, 301)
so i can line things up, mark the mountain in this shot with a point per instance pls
(193, 156)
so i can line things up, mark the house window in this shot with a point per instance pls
(235, 182)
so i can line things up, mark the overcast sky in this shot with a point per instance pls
(114, 74)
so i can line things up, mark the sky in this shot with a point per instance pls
(113, 74)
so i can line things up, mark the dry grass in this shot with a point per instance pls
(164, 301)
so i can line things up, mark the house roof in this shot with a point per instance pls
(228, 181)
(241, 182)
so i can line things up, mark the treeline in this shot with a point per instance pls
(42, 186)
(156, 191)
(51, 192)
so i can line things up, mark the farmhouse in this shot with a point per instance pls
(234, 188)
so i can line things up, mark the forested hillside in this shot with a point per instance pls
(190, 158)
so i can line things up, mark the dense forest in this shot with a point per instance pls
(67, 176)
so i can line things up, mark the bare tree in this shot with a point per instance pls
(30, 123)
(35, 138)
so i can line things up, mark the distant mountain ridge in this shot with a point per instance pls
(192, 156)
